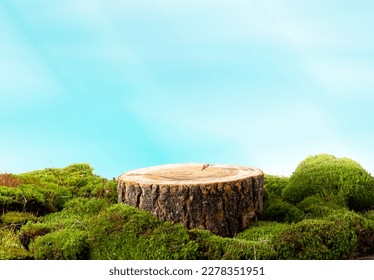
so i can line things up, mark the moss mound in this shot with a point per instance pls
(275, 184)
(361, 226)
(317, 207)
(76, 180)
(316, 240)
(332, 178)
(27, 198)
(11, 248)
(341, 235)
(15, 220)
(64, 244)
(92, 229)
(46, 191)
(275, 208)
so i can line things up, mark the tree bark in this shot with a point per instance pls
(224, 199)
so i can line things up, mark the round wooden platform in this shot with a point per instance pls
(189, 173)
(224, 199)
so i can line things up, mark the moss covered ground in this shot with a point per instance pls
(324, 210)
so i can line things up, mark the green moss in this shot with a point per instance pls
(164, 242)
(168, 241)
(76, 180)
(316, 240)
(369, 215)
(10, 246)
(263, 234)
(127, 218)
(275, 184)
(74, 175)
(15, 220)
(263, 231)
(115, 232)
(15, 253)
(46, 191)
(27, 198)
(331, 178)
(317, 207)
(361, 226)
(85, 206)
(343, 234)
(65, 244)
(99, 188)
(124, 232)
(275, 209)
(213, 247)
(32, 230)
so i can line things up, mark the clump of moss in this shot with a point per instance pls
(10, 246)
(275, 184)
(46, 191)
(15, 220)
(331, 178)
(263, 233)
(27, 198)
(124, 232)
(317, 207)
(342, 235)
(76, 215)
(15, 253)
(316, 240)
(369, 215)
(213, 247)
(31, 230)
(108, 232)
(361, 226)
(77, 180)
(275, 209)
(64, 244)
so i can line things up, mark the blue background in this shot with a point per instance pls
(129, 84)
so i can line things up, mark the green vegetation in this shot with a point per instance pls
(275, 184)
(16, 219)
(317, 207)
(339, 179)
(275, 208)
(325, 210)
(316, 239)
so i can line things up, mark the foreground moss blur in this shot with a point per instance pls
(325, 210)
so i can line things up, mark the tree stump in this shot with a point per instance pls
(224, 199)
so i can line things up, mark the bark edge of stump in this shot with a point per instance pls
(224, 199)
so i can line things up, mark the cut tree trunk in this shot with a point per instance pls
(224, 199)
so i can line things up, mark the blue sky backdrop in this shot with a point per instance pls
(130, 84)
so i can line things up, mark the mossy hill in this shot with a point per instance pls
(324, 210)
